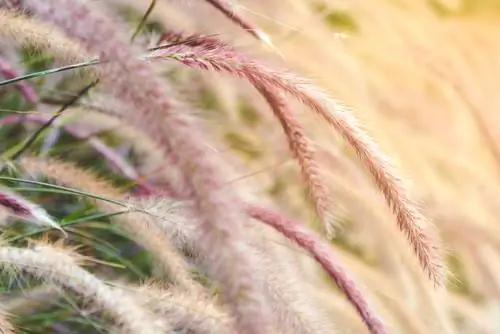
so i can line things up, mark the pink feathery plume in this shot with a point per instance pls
(210, 53)
(8, 72)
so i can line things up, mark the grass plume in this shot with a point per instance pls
(212, 54)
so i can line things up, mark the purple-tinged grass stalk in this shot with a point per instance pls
(325, 257)
(26, 90)
(63, 271)
(212, 54)
(18, 207)
(225, 7)
(305, 154)
(134, 82)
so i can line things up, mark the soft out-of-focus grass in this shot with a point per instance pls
(422, 76)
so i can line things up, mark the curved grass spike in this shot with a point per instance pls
(213, 54)
(305, 154)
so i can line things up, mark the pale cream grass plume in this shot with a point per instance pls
(295, 311)
(137, 225)
(63, 272)
(186, 311)
(411, 321)
(23, 29)
(368, 10)
(457, 166)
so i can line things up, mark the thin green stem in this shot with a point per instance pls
(49, 71)
(143, 19)
(51, 121)
(69, 223)
(67, 190)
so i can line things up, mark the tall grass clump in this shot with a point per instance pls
(132, 207)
